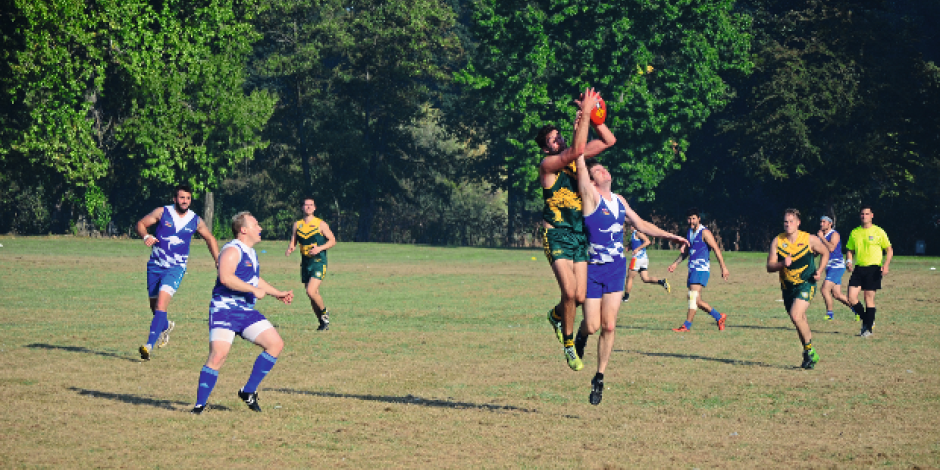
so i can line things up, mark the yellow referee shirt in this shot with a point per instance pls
(868, 245)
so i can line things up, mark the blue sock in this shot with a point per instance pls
(715, 314)
(157, 325)
(829, 313)
(207, 378)
(263, 365)
(688, 325)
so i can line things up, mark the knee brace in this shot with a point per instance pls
(693, 296)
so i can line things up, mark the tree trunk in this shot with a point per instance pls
(208, 212)
(511, 203)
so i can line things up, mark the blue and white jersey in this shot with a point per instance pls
(174, 234)
(636, 242)
(225, 299)
(605, 231)
(835, 258)
(699, 252)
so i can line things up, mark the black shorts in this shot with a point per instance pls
(866, 277)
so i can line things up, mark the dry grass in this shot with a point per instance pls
(441, 357)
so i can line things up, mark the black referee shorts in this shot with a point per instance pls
(866, 277)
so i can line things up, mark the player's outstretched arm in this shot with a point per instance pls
(284, 296)
(146, 222)
(228, 261)
(330, 238)
(293, 240)
(586, 189)
(818, 246)
(554, 163)
(203, 230)
(710, 240)
(650, 229)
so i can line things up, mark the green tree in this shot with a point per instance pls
(658, 63)
(101, 82)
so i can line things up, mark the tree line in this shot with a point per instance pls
(413, 122)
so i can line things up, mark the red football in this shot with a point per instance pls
(599, 113)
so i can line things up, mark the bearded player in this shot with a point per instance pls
(562, 228)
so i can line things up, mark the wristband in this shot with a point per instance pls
(148, 237)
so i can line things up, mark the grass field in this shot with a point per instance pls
(441, 357)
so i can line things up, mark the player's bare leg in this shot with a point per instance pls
(316, 302)
(572, 281)
(798, 317)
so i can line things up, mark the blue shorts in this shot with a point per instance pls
(834, 275)
(698, 277)
(163, 279)
(236, 319)
(606, 278)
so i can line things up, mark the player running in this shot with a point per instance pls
(167, 265)
(702, 244)
(832, 286)
(562, 228)
(604, 215)
(232, 312)
(314, 237)
(639, 263)
(791, 254)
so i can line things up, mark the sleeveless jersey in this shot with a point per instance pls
(562, 202)
(174, 234)
(803, 263)
(699, 251)
(835, 258)
(635, 243)
(247, 270)
(309, 236)
(605, 231)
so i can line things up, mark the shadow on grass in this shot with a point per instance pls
(138, 400)
(408, 400)
(83, 350)
(713, 359)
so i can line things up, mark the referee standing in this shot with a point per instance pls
(863, 259)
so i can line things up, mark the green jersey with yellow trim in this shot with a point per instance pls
(562, 202)
(309, 236)
(803, 262)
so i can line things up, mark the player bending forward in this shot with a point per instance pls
(604, 217)
(232, 312)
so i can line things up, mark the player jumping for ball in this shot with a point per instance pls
(562, 228)
(232, 312)
(167, 265)
(314, 237)
(604, 215)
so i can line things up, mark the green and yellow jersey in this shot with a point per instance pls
(803, 262)
(309, 236)
(562, 202)
(868, 245)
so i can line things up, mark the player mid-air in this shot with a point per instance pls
(791, 254)
(170, 242)
(314, 237)
(562, 228)
(604, 215)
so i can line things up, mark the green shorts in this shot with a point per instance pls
(805, 291)
(312, 268)
(560, 243)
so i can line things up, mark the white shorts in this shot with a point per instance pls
(637, 264)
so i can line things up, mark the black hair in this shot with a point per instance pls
(543, 134)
